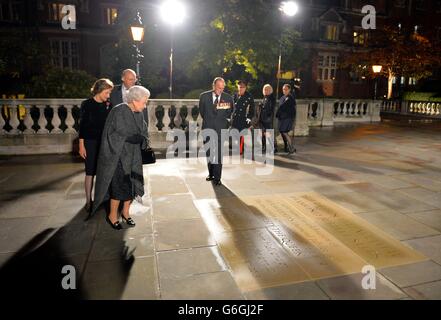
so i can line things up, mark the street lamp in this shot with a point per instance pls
(172, 12)
(290, 9)
(137, 30)
(376, 69)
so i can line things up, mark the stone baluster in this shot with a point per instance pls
(13, 121)
(166, 119)
(2, 123)
(42, 122)
(153, 121)
(28, 121)
(70, 121)
(178, 119)
(56, 121)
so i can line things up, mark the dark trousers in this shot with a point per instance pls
(214, 159)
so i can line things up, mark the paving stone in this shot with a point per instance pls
(428, 291)
(182, 234)
(299, 291)
(350, 288)
(122, 246)
(172, 207)
(413, 274)
(429, 246)
(178, 264)
(398, 225)
(429, 218)
(208, 286)
(121, 279)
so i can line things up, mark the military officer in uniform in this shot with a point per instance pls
(215, 107)
(243, 110)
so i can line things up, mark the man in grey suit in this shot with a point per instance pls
(215, 108)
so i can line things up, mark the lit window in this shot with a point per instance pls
(110, 16)
(330, 32)
(55, 11)
(360, 37)
(65, 54)
(327, 67)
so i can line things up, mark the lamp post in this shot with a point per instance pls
(137, 30)
(290, 9)
(172, 12)
(376, 69)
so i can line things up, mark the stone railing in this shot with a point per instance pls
(38, 126)
(424, 109)
(326, 112)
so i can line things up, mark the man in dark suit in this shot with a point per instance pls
(119, 92)
(215, 108)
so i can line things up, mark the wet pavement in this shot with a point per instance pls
(197, 241)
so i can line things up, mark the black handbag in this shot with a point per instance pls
(148, 156)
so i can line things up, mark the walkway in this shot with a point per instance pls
(352, 196)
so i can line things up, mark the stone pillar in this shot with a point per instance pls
(301, 125)
(374, 110)
(328, 112)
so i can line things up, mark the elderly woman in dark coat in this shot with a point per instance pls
(119, 175)
(286, 115)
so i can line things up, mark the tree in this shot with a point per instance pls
(61, 83)
(21, 57)
(230, 38)
(401, 53)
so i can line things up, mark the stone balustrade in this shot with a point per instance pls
(38, 126)
(426, 109)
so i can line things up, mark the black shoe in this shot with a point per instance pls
(116, 225)
(129, 221)
(217, 182)
(209, 178)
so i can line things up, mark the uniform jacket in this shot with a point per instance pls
(215, 117)
(243, 110)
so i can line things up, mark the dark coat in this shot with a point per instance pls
(243, 110)
(213, 117)
(116, 95)
(121, 124)
(287, 108)
(266, 112)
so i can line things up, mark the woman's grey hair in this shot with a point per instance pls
(136, 93)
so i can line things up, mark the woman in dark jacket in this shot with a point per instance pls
(93, 116)
(286, 115)
(265, 113)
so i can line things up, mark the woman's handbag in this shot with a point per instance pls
(148, 156)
